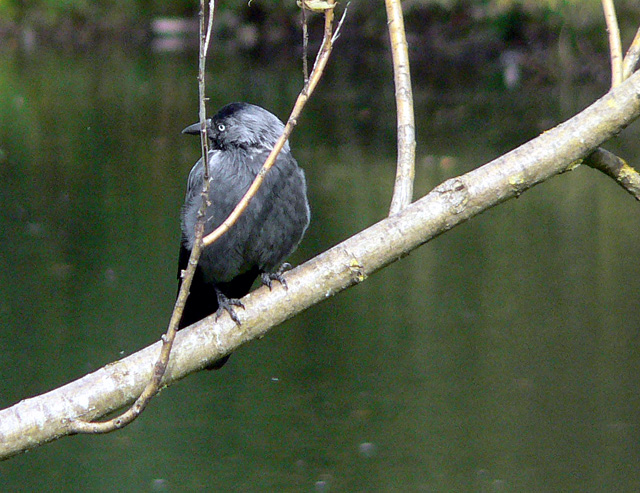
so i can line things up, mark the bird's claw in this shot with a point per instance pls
(227, 304)
(269, 277)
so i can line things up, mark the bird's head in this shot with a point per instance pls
(241, 125)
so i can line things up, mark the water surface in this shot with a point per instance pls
(502, 356)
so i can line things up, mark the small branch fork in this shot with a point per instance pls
(159, 369)
(621, 69)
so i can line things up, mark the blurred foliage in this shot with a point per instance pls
(131, 12)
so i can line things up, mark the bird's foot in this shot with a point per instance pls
(269, 277)
(227, 304)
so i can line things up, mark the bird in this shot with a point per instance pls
(241, 136)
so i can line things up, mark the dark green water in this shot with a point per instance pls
(503, 356)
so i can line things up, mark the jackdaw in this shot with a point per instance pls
(241, 136)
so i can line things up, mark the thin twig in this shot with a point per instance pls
(160, 367)
(615, 45)
(202, 107)
(79, 426)
(336, 33)
(314, 78)
(305, 45)
(616, 168)
(631, 58)
(405, 170)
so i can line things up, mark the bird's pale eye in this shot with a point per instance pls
(221, 127)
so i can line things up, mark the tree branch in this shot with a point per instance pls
(405, 170)
(615, 45)
(631, 58)
(305, 44)
(42, 419)
(160, 367)
(617, 168)
(316, 73)
(81, 425)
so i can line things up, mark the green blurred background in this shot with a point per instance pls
(502, 356)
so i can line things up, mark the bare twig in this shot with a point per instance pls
(405, 171)
(631, 58)
(336, 33)
(305, 45)
(316, 73)
(160, 367)
(205, 38)
(79, 426)
(615, 45)
(617, 168)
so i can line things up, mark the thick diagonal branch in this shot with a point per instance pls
(41, 419)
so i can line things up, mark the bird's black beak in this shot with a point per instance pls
(195, 128)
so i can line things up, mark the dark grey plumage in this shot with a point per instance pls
(241, 137)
